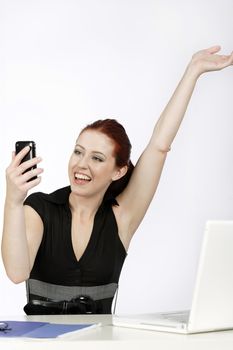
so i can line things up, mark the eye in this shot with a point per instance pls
(97, 159)
(77, 152)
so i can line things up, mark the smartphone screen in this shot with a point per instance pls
(19, 145)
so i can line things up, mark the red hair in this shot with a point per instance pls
(122, 150)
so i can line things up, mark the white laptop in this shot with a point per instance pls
(212, 303)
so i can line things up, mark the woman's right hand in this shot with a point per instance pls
(17, 184)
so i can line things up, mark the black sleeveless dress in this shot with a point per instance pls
(59, 283)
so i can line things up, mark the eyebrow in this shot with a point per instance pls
(96, 152)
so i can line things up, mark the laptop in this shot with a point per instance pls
(212, 302)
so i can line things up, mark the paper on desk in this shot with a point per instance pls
(42, 329)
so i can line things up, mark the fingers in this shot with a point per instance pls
(13, 155)
(18, 184)
(30, 184)
(22, 176)
(23, 166)
(25, 171)
(28, 164)
(209, 60)
(17, 158)
(28, 173)
(18, 192)
(225, 61)
(213, 49)
(206, 52)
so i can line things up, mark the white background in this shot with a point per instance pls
(65, 63)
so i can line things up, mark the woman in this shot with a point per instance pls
(70, 245)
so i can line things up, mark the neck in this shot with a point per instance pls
(83, 206)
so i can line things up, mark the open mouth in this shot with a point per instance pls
(82, 178)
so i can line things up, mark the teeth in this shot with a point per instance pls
(82, 177)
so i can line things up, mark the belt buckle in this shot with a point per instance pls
(84, 303)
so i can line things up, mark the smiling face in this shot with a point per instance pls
(92, 166)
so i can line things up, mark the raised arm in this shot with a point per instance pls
(19, 249)
(137, 196)
(168, 124)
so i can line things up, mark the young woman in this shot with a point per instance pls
(70, 245)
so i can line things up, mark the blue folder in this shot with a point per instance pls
(42, 329)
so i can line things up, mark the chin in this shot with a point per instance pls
(77, 191)
(84, 193)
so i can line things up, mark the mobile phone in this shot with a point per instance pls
(19, 145)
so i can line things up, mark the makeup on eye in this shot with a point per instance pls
(96, 155)
(76, 151)
(97, 158)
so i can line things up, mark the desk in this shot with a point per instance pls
(108, 337)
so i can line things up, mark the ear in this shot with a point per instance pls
(120, 172)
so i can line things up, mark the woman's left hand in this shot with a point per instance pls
(208, 60)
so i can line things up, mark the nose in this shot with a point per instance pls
(83, 162)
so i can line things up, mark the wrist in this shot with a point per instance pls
(193, 70)
(13, 203)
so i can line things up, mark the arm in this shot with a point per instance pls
(18, 248)
(169, 122)
(135, 199)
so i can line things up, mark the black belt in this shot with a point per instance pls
(81, 305)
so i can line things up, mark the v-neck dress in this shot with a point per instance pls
(57, 274)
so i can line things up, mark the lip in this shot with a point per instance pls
(80, 178)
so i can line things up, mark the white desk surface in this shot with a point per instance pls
(109, 337)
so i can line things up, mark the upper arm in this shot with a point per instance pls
(136, 198)
(34, 231)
